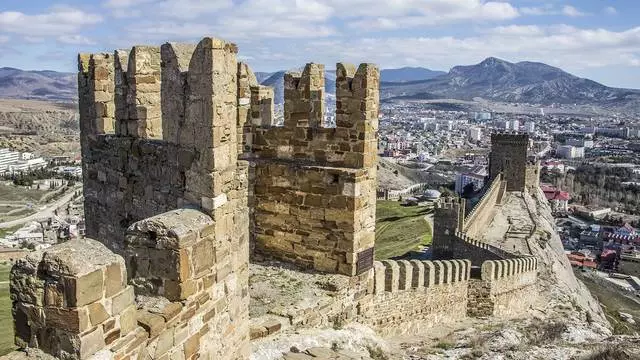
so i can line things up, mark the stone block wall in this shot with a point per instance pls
(315, 187)
(509, 157)
(185, 295)
(407, 294)
(72, 300)
(506, 288)
(466, 247)
(192, 278)
(176, 117)
(532, 178)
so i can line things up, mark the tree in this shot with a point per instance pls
(468, 190)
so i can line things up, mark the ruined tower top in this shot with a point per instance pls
(509, 157)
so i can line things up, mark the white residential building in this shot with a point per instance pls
(475, 134)
(26, 165)
(7, 156)
(570, 152)
(530, 127)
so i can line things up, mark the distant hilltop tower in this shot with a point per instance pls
(509, 157)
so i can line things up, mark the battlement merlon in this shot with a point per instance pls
(449, 203)
(304, 97)
(246, 81)
(95, 94)
(175, 69)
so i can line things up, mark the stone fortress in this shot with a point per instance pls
(186, 178)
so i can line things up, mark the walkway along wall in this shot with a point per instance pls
(479, 218)
(454, 230)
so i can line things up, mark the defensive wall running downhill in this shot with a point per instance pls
(454, 230)
(477, 220)
(186, 176)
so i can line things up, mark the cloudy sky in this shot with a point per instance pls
(599, 39)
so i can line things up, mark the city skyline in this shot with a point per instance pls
(593, 39)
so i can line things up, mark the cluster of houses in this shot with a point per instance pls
(603, 247)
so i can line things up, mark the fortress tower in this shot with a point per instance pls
(448, 220)
(315, 187)
(509, 156)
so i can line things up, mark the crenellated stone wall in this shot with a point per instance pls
(315, 187)
(448, 218)
(182, 163)
(409, 294)
(506, 288)
(176, 144)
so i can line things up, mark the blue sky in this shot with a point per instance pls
(597, 39)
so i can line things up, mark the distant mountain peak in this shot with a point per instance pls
(494, 60)
(525, 82)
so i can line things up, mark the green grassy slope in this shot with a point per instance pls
(400, 229)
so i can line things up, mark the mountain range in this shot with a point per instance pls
(492, 79)
(524, 82)
(38, 85)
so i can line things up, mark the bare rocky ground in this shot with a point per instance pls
(47, 128)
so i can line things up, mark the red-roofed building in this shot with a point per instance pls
(579, 259)
(553, 165)
(559, 200)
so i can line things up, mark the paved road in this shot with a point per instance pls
(44, 214)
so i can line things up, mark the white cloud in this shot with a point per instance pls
(564, 46)
(572, 11)
(58, 21)
(75, 40)
(125, 4)
(384, 15)
(546, 9)
(189, 9)
(610, 10)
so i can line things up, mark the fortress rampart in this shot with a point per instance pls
(430, 291)
(506, 287)
(186, 176)
(454, 230)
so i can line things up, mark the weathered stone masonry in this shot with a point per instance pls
(506, 288)
(173, 144)
(130, 176)
(315, 186)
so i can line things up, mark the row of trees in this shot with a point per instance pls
(599, 186)
(28, 178)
